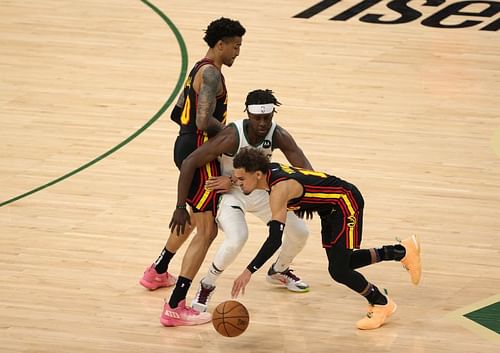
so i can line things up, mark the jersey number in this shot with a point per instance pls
(185, 116)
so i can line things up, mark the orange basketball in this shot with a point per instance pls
(230, 318)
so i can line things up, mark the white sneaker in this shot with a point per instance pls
(200, 301)
(287, 279)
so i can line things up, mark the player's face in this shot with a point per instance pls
(230, 48)
(260, 123)
(247, 181)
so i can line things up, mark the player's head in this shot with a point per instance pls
(250, 169)
(224, 36)
(260, 107)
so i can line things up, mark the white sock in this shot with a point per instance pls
(212, 275)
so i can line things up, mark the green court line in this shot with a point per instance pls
(169, 101)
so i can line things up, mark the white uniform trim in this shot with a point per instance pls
(266, 146)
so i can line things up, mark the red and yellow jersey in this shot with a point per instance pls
(186, 117)
(321, 190)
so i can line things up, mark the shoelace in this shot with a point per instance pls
(190, 311)
(204, 294)
(288, 273)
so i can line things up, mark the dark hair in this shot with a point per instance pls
(251, 159)
(221, 29)
(261, 96)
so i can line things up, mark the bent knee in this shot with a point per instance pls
(339, 274)
(297, 234)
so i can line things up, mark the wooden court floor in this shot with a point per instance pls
(408, 112)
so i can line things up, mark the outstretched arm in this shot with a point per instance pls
(278, 198)
(211, 81)
(224, 142)
(293, 153)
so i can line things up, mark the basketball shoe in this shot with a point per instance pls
(376, 315)
(287, 279)
(200, 301)
(183, 315)
(411, 262)
(153, 280)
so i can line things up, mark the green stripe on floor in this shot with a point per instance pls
(488, 316)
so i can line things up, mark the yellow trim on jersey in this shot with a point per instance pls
(312, 172)
(186, 115)
(206, 192)
(349, 207)
(323, 195)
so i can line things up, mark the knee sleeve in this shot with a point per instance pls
(340, 271)
(339, 274)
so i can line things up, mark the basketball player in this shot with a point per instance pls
(201, 113)
(340, 207)
(259, 131)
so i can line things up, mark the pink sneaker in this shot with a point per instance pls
(153, 280)
(183, 316)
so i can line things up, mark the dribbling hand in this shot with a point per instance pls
(178, 222)
(240, 283)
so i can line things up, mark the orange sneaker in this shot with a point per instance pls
(376, 315)
(411, 262)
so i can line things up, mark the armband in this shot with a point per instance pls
(270, 246)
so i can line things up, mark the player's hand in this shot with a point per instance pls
(179, 220)
(240, 283)
(303, 213)
(220, 184)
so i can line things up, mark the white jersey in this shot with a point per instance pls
(226, 161)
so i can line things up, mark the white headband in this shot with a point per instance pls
(260, 108)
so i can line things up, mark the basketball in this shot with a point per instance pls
(230, 318)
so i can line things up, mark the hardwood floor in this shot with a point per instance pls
(408, 113)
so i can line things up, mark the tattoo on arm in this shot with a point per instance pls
(180, 100)
(207, 97)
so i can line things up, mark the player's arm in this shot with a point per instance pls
(176, 113)
(224, 142)
(278, 198)
(293, 153)
(211, 81)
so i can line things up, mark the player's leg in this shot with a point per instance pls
(156, 275)
(295, 237)
(380, 305)
(203, 202)
(231, 220)
(341, 231)
(407, 252)
(175, 311)
(294, 240)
